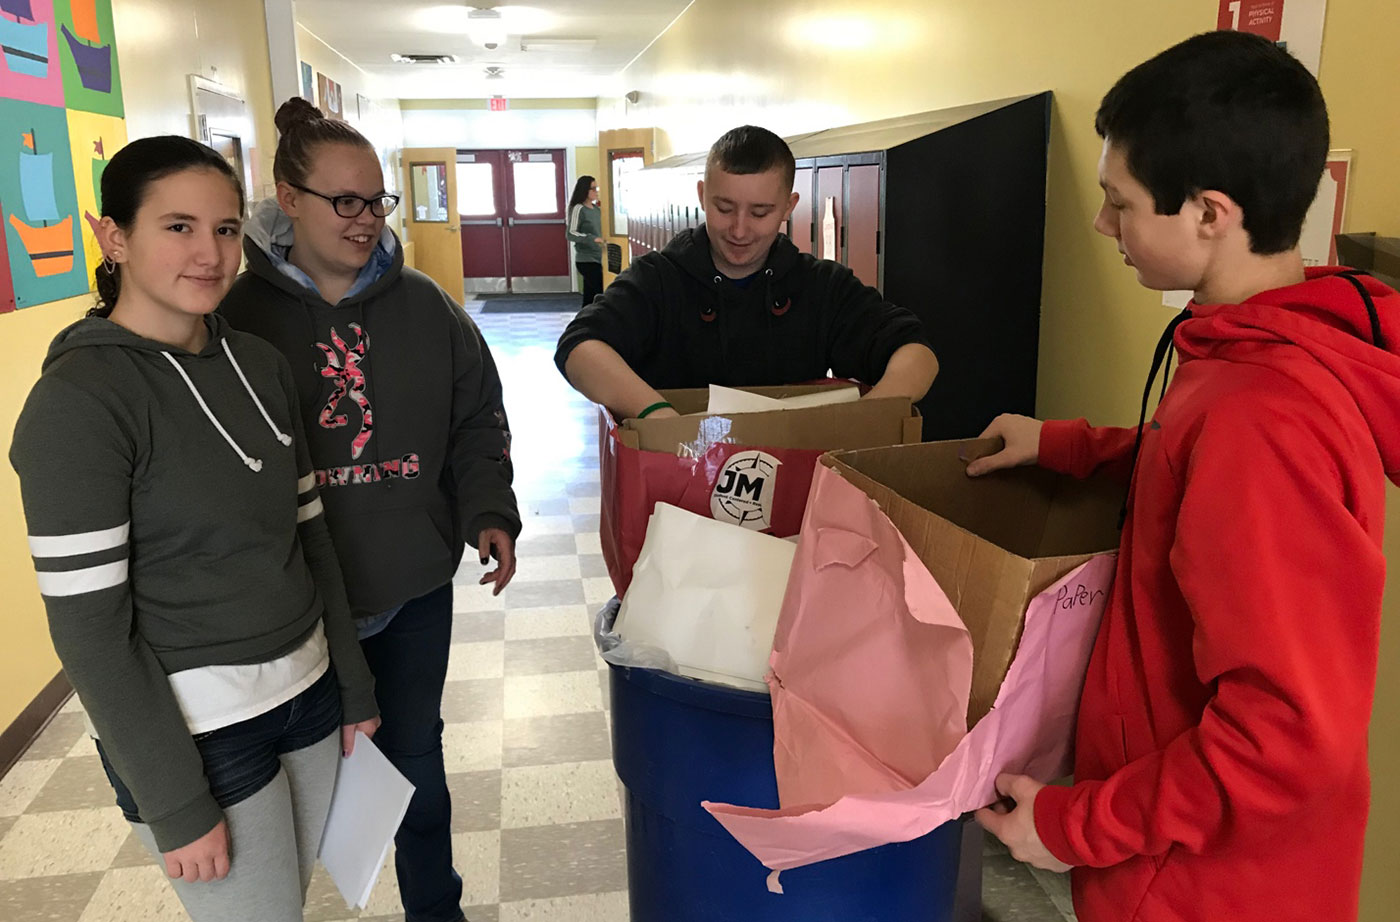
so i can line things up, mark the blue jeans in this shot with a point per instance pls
(242, 758)
(409, 662)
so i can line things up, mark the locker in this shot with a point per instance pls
(800, 225)
(863, 221)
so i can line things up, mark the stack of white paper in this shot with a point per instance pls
(732, 400)
(368, 804)
(708, 593)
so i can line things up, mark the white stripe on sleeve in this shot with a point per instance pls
(78, 582)
(306, 483)
(87, 542)
(309, 511)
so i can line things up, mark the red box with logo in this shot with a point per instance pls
(750, 469)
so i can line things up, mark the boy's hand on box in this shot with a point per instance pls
(1021, 436)
(1015, 826)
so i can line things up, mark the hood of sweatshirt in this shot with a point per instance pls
(268, 238)
(1337, 322)
(98, 331)
(690, 249)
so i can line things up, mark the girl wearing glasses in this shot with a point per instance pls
(408, 435)
(192, 591)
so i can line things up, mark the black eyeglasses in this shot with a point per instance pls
(352, 206)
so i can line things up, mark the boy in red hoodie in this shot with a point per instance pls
(1221, 770)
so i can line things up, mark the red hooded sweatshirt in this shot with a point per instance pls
(1220, 763)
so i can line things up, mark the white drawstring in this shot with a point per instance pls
(253, 463)
(281, 436)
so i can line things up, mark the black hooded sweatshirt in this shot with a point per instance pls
(678, 322)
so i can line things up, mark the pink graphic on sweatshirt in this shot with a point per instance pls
(343, 367)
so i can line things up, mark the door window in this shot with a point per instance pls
(429, 192)
(476, 189)
(536, 188)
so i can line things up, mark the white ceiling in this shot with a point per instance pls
(368, 31)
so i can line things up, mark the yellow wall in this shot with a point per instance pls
(27, 660)
(800, 65)
(586, 163)
(159, 43)
(1353, 60)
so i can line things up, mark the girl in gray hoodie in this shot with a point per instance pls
(404, 414)
(192, 591)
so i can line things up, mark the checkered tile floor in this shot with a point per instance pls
(536, 810)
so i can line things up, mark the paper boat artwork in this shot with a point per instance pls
(50, 245)
(98, 165)
(24, 42)
(94, 60)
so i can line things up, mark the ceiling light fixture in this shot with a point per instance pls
(486, 28)
(558, 44)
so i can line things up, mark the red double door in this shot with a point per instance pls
(512, 204)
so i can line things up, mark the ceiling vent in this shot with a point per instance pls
(495, 72)
(423, 58)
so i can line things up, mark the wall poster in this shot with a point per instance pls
(61, 119)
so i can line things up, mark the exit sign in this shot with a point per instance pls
(498, 104)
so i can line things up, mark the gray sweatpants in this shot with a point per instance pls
(274, 837)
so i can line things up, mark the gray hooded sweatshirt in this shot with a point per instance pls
(402, 407)
(174, 523)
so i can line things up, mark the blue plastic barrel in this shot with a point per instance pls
(676, 742)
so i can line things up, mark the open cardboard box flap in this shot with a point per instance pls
(993, 543)
(861, 424)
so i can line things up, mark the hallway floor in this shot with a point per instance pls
(536, 812)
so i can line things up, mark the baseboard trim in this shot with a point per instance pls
(21, 734)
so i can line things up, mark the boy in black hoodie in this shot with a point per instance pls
(734, 302)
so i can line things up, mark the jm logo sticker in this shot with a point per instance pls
(744, 489)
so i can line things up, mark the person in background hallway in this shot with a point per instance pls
(1220, 760)
(734, 302)
(586, 232)
(409, 437)
(193, 594)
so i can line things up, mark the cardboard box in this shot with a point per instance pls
(862, 424)
(992, 543)
(1377, 255)
(749, 469)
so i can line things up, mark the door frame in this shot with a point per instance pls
(428, 257)
(487, 284)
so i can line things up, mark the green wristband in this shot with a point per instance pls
(653, 408)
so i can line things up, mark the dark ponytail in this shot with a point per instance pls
(580, 195)
(108, 279)
(303, 129)
(125, 180)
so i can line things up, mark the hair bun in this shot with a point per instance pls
(295, 111)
